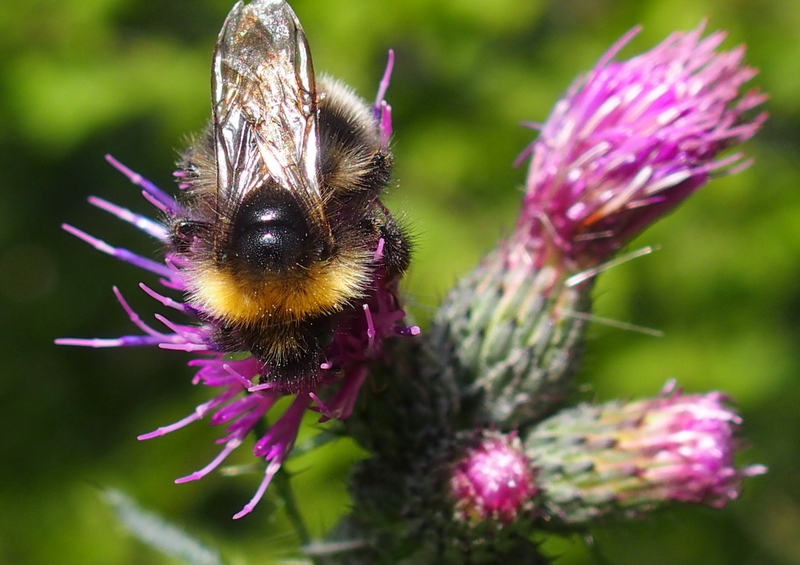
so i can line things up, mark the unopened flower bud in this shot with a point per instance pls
(620, 459)
(493, 482)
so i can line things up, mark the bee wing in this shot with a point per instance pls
(265, 106)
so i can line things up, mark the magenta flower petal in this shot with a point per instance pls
(630, 141)
(690, 441)
(381, 109)
(626, 459)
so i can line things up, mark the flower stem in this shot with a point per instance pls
(283, 484)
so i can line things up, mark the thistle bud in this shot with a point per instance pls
(493, 481)
(595, 461)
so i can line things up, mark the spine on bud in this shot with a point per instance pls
(509, 331)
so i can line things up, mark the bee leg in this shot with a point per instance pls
(396, 246)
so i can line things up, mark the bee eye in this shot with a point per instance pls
(270, 236)
(183, 232)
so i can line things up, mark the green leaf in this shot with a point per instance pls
(159, 534)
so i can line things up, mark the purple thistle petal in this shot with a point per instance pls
(236, 409)
(166, 301)
(267, 386)
(163, 430)
(384, 84)
(220, 372)
(154, 195)
(272, 468)
(174, 283)
(148, 226)
(381, 110)
(408, 331)
(378, 255)
(630, 141)
(255, 410)
(158, 205)
(199, 413)
(221, 456)
(134, 317)
(370, 326)
(186, 346)
(341, 405)
(193, 336)
(118, 253)
(244, 381)
(279, 439)
(386, 124)
(123, 341)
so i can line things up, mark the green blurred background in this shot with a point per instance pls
(81, 78)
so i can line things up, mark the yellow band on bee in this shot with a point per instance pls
(323, 289)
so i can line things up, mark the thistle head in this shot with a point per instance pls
(624, 459)
(630, 141)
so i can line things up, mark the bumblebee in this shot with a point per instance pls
(282, 231)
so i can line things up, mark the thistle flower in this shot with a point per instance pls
(242, 400)
(624, 459)
(632, 140)
(493, 481)
(628, 143)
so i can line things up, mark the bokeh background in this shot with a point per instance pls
(81, 78)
